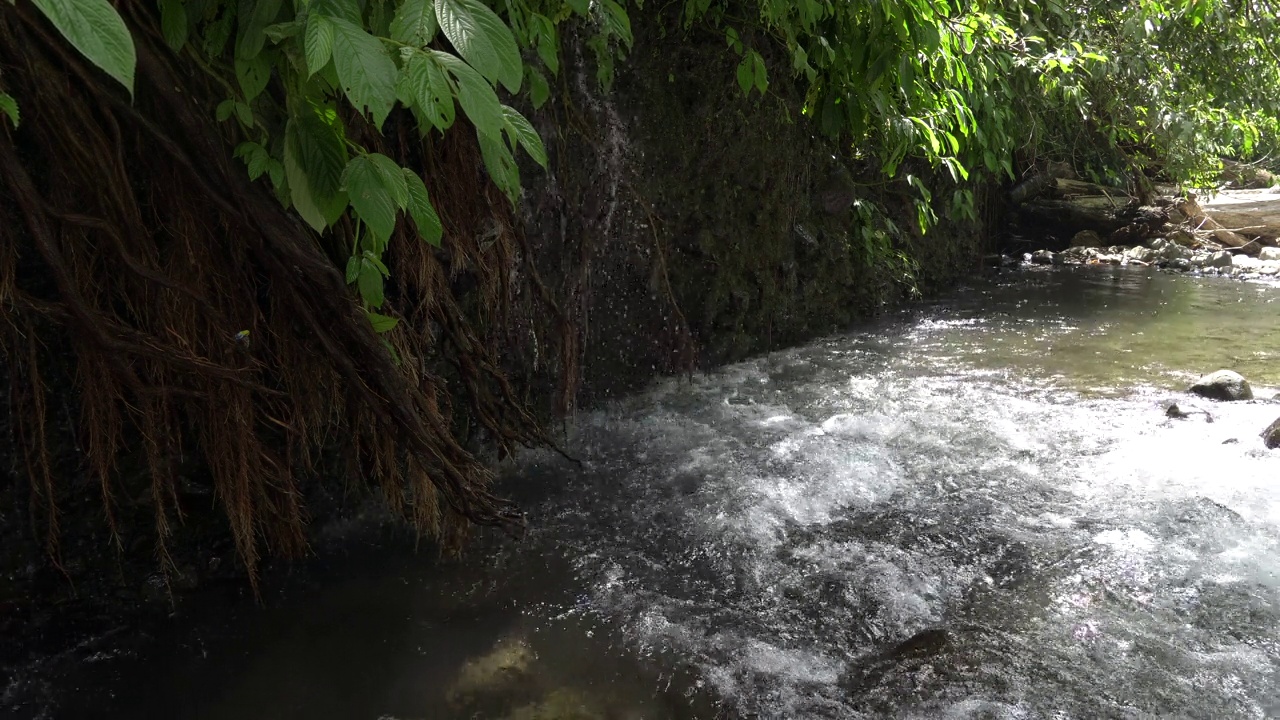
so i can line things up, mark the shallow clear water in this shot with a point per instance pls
(978, 510)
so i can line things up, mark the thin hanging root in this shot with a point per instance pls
(157, 263)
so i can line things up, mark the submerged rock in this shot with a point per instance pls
(1223, 385)
(1174, 411)
(1271, 436)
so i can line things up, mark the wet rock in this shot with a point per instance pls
(1269, 253)
(1223, 385)
(1110, 259)
(1219, 259)
(1271, 436)
(1086, 238)
(1139, 254)
(1181, 264)
(1269, 268)
(1045, 257)
(1182, 237)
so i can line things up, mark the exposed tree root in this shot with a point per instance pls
(132, 238)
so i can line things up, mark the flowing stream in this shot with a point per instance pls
(975, 510)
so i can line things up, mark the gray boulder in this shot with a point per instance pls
(1269, 253)
(1222, 258)
(1223, 385)
(1271, 436)
(1139, 254)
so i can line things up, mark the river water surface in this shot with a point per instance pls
(977, 510)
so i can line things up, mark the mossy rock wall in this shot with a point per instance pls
(717, 215)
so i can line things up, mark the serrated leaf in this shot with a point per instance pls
(369, 281)
(371, 201)
(482, 39)
(314, 158)
(353, 269)
(173, 23)
(524, 132)
(95, 29)
(348, 10)
(364, 69)
(255, 158)
(476, 96)
(318, 43)
(389, 171)
(382, 323)
(9, 107)
(415, 23)
(224, 110)
(423, 83)
(253, 75)
(421, 210)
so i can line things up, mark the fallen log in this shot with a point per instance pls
(1252, 214)
(1208, 221)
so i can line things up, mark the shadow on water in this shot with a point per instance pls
(978, 510)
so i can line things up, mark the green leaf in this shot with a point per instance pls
(382, 323)
(392, 177)
(548, 43)
(415, 23)
(616, 20)
(365, 70)
(581, 7)
(253, 75)
(318, 43)
(224, 110)
(482, 39)
(760, 75)
(476, 96)
(528, 137)
(501, 166)
(746, 75)
(420, 209)
(9, 107)
(253, 28)
(255, 157)
(353, 268)
(314, 158)
(348, 10)
(423, 84)
(244, 114)
(369, 280)
(539, 91)
(283, 31)
(95, 29)
(369, 197)
(173, 23)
